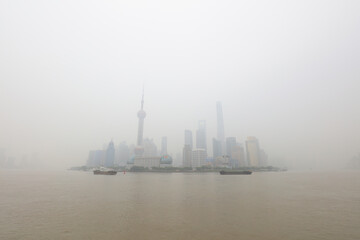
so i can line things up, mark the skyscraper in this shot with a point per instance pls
(201, 136)
(230, 143)
(220, 143)
(123, 154)
(189, 138)
(216, 148)
(198, 158)
(187, 156)
(149, 147)
(163, 145)
(139, 150)
(238, 156)
(110, 155)
(220, 122)
(253, 151)
(96, 158)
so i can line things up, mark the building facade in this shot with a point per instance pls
(201, 136)
(230, 144)
(123, 154)
(187, 156)
(217, 148)
(110, 155)
(150, 148)
(96, 158)
(189, 138)
(238, 156)
(253, 151)
(198, 158)
(147, 162)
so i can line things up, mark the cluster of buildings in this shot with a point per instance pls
(143, 154)
(227, 152)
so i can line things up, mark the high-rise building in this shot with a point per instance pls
(201, 136)
(230, 143)
(238, 156)
(217, 148)
(96, 158)
(91, 159)
(187, 156)
(220, 122)
(189, 138)
(150, 149)
(110, 155)
(198, 158)
(253, 151)
(220, 143)
(139, 150)
(123, 154)
(163, 146)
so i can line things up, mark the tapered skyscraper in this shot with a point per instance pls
(139, 150)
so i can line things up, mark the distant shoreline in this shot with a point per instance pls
(182, 170)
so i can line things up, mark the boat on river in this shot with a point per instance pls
(235, 172)
(104, 171)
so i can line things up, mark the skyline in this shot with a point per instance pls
(70, 85)
(201, 124)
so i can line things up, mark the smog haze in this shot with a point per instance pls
(72, 75)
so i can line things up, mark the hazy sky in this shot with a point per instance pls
(287, 72)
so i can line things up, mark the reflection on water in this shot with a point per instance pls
(80, 205)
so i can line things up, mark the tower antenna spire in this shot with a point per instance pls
(141, 115)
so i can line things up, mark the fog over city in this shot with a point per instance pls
(287, 72)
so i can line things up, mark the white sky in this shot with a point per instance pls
(287, 72)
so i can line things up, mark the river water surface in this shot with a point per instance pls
(274, 205)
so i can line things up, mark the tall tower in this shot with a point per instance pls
(139, 150)
(220, 123)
